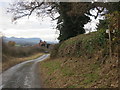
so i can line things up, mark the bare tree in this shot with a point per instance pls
(69, 12)
(25, 8)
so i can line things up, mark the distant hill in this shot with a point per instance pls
(52, 42)
(22, 41)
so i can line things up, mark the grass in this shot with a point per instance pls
(67, 73)
(12, 55)
(90, 78)
(54, 66)
(51, 66)
(82, 45)
(94, 66)
(14, 60)
(72, 86)
(77, 63)
(15, 51)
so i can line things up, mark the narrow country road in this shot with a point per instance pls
(23, 75)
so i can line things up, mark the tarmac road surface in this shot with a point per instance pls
(23, 75)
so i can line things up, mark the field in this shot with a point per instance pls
(12, 55)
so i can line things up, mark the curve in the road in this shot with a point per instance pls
(22, 75)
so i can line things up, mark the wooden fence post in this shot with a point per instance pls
(110, 43)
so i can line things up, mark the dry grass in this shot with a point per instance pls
(14, 60)
(12, 55)
(82, 62)
(79, 73)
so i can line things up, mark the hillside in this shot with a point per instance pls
(22, 41)
(82, 62)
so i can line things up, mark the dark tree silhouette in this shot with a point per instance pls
(71, 17)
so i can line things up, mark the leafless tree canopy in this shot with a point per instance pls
(72, 15)
(26, 8)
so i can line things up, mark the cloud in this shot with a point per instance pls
(44, 34)
(32, 27)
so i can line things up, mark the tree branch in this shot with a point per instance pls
(35, 7)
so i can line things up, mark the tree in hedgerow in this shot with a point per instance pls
(11, 43)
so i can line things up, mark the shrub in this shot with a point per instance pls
(81, 45)
(14, 51)
(54, 51)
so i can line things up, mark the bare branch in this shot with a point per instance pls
(36, 7)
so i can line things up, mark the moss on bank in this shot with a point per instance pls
(82, 45)
(79, 73)
(82, 62)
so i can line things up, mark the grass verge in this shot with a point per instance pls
(14, 60)
(79, 73)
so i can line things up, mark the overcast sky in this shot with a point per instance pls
(27, 28)
(34, 26)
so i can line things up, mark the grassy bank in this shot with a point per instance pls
(79, 73)
(82, 45)
(82, 62)
(11, 61)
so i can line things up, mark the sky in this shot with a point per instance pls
(27, 28)
(34, 26)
